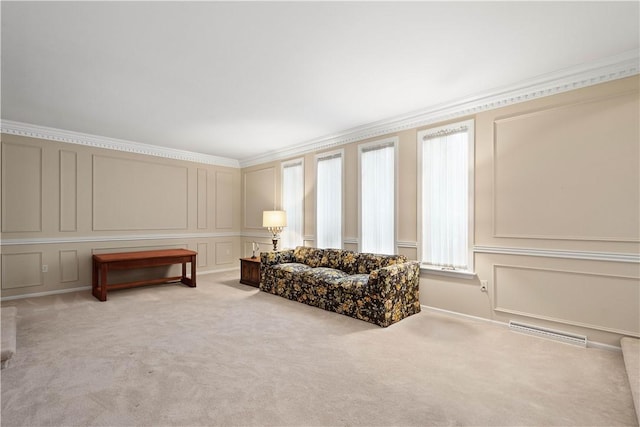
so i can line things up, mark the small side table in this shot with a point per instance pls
(250, 271)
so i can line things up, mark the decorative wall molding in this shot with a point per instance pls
(69, 266)
(608, 69)
(565, 317)
(70, 137)
(223, 210)
(553, 253)
(202, 254)
(22, 270)
(135, 237)
(202, 198)
(131, 190)
(114, 238)
(261, 199)
(410, 245)
(515, 213)
(68, 178)
(224, 253)
(22, 211)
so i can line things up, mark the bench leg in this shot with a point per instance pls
(94, 280)
(103, 283)
(191, 282)
(99, 281)
(193, 271)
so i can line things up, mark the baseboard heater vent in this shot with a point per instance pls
(561, 336)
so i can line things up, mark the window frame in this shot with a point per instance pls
(367, 146)
(286, 164)
(469, 272)
(318, 158)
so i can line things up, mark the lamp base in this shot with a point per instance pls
(275, 244)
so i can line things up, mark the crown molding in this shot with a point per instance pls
(608, 69)
(53, 134)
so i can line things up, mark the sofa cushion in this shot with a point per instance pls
(291, 267)
(332, 258)
(365, 263)
(354, 283)
(348, 261)
(306, 255)
(323, 276)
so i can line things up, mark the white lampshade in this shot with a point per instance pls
(274, 218)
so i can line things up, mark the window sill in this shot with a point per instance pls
(436, 271)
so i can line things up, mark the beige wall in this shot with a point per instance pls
(61, 203)
(556, 201)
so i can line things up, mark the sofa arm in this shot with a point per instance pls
(397, 290)
(396, 277)
(277, 257)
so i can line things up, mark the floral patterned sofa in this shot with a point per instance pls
(381, 289)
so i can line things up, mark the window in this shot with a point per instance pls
(329, 200)
(377, 197)
(446, 165)
(293, 203)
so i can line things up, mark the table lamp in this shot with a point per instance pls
(274, 221)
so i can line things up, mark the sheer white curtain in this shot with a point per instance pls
(329, 202)
(377, 202)
(445, 199)
(293, 203)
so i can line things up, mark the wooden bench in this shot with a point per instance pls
(103, 263)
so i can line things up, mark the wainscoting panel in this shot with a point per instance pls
(202, 198)
(408, 249)
(69, 266)
(202, 254)
(564, 172)
(138, 195)
(259, 195)
(224, 253)
(350, 246)
(68, 191)
(605, 302)
(224, 200)
(21, 188)
(21, 270)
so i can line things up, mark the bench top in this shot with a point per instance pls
(133, 256)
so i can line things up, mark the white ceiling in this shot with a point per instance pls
(238, 79)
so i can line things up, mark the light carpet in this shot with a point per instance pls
(225, 354)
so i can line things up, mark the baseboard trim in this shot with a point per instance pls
(590, 344)
(88, 288)
(466, 316)
(222, 270)
(46, 293)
